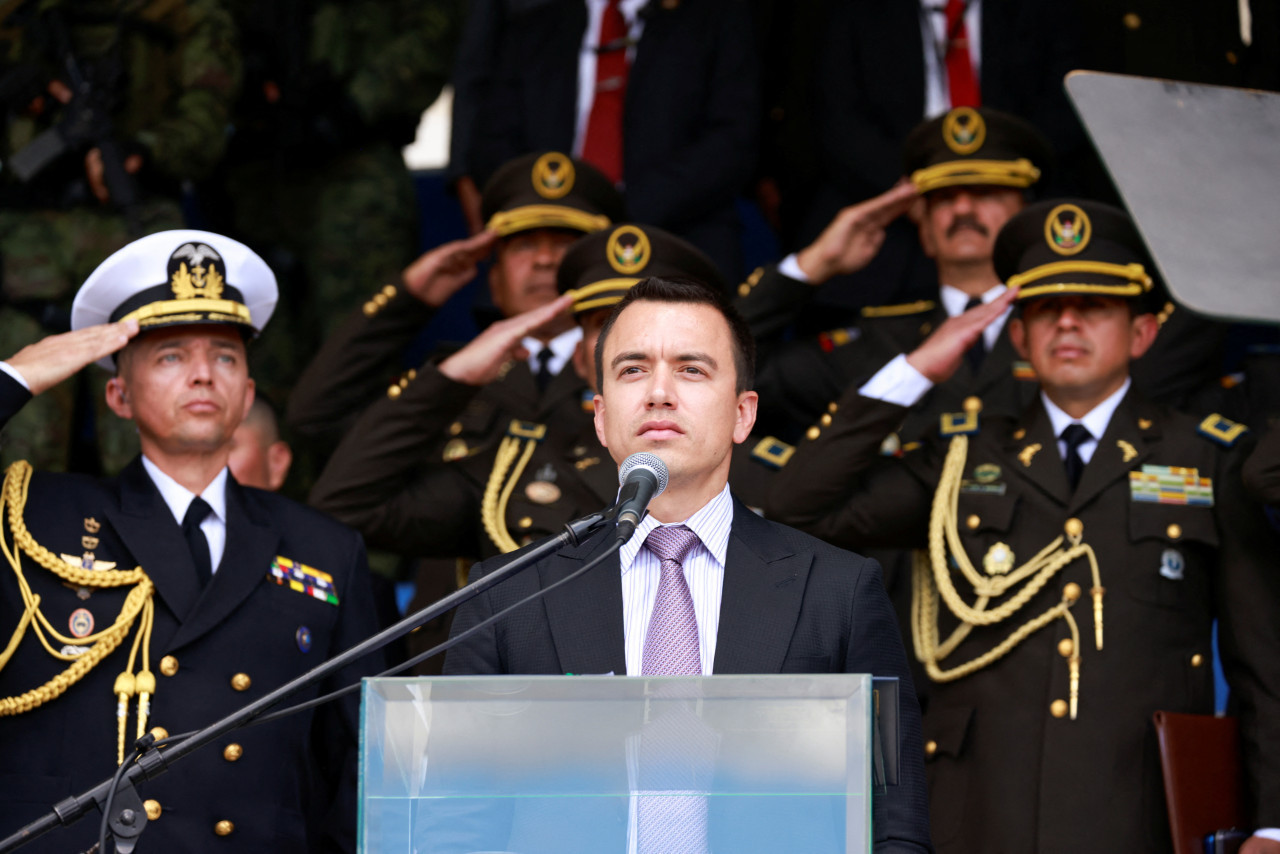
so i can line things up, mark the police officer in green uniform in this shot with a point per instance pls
(145, 109)
(169, 596)
(1077, 556)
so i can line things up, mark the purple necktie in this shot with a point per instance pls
(671, 644)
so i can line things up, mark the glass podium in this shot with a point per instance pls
(456, 765)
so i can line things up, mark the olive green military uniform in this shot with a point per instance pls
(169, 70)
(1010, 770)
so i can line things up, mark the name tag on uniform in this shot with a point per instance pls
(1171, 485)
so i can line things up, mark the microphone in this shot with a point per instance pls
(642, 477)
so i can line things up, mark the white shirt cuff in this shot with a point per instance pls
(790, 267)
(897, 382)
(13, 372)
(1268, 833)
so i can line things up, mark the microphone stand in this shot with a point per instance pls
(129, 818)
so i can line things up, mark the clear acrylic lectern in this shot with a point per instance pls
(611, 764)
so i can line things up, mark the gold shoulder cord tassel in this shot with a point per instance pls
(932, 581)
(138, 602)
(493, 507)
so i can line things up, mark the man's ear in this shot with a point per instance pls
(279, 458)
(1142, 334)
(747, 403)
(118, 398)
(250, 389)
(598, 402)
(1018, 336)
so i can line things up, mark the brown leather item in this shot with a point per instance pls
(1200, 757)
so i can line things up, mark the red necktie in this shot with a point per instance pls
(602, 143)
(960, 76)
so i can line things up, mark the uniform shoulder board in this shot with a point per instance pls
(1224, 431)
(901, 310)
(526, 430)
(958, 423)
(773, 452)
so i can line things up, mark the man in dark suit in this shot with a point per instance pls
(674, 364)
(689, 121)
(1078, 554)
(170, 596)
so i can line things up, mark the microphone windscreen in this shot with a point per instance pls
(642, 459)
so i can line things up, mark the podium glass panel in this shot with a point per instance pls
(611, 764)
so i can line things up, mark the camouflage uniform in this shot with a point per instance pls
(315, 179)
(177, 76)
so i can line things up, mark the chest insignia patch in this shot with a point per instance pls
(303, 579)
(81, 623)
(1171, 485)
(1171, 564)
(1128, 450)
(1027, 453)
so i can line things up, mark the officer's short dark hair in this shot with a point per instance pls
(686, 290)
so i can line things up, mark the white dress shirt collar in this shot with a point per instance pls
(562, 347)
(711, 523)
(179, 498)
(1095, 421)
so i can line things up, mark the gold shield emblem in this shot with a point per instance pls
(628, 250)
(553, 175)
(963, 130)
(1067, 229)
(998, 560)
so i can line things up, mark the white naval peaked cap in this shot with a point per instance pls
(178, 277)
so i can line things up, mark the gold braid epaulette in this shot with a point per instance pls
(13, 497)
(497, 492)
(932, 580)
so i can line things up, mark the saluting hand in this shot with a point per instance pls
(853, 238)
(441, 273)
(51, 360)
(941, 353)
(480, 362)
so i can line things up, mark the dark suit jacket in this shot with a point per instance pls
(791, 604)
(292, 788)
(691, 118)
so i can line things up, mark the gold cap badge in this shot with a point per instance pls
(628, 250)
(963, 130)
(1067, 229)
(553, 175)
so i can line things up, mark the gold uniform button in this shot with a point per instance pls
(744, 290)
(1197, 660)
(525, 522)
(1174, 531)
(388, 291)
(1065, 647)
(224, 828)
(1071, 592)
(1132, 21)
(370, 308)
(159, 733)
(241, 682)
(232, 752)
(455, 428)
(972, 404)
(813, 433)
(973, 522)
(1019, 433)
(1058, 708)
(833, 406)
(1074, 527)
(393, 392)
(412, 373)
(168, 665)
(825, 419)
(153, 809)
(930, 747)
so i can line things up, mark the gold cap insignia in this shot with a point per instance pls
(1067, 229)
(553, 175)
(202, 279)
(963, 130)
(628, 250)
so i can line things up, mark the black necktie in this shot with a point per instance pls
(1074, 435)
(978, 350)
(544, 375)
(199, 546)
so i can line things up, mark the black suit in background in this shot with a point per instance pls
(791, 604)
(291, 786)
(691, 121)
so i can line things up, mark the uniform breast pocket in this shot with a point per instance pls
(1171, 550)
(983, 521)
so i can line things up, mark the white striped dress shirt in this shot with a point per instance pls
(703, 572)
